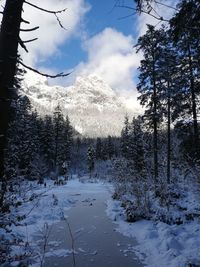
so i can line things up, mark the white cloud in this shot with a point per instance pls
(50, 35)
(110, 55)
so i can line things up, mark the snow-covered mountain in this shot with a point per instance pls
(93, 107)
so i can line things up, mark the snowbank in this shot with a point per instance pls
(159, 244)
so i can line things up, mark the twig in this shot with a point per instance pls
(59, 22)
(45, 237)
(162, 4)
(37, 196)
(145, 12)
(72, 239)
(55, 13)
(127, 16)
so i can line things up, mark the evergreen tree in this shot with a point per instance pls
(98, 150)
(169, 96)
(110, 147)
(27, 145)
(44, 160)
(150, 85)
(47, 141)
(185, 29)
(62, 141)
(23, 141)
(67, 138)
(104, 150)
(33, 143)
(136, 147)
(125, 135)
(78, 144)
(59, 147)
(9, 40)
(12, 152)
(90, 159)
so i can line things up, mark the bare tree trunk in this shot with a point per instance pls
(9, 39)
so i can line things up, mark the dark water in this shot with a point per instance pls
(96, 242)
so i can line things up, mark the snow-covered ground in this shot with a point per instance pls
(160, 244)
(41, 208)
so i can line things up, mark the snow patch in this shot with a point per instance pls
(159, 244)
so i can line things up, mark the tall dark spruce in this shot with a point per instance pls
(169, 78)
(98, 149)
(185, 30)
(59, 147)
(9, 40)
(149, 85)
(90, 159)
(125, 138)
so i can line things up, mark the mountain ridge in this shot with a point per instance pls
(93, 107)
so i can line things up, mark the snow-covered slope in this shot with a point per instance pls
(93, 107)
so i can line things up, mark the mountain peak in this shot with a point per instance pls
(93, 83)
(93, 107)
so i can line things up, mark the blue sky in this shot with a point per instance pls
(105, 14)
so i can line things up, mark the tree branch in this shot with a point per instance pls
(145, 12)
(43, 74)
(23, 45)
(46, 10)
(29, 30)
(162, 4)
(55, 13)
(31, 40)
(25, 21)
(59, 22)
(127, 16)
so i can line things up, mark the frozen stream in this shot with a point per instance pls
(96, 242)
